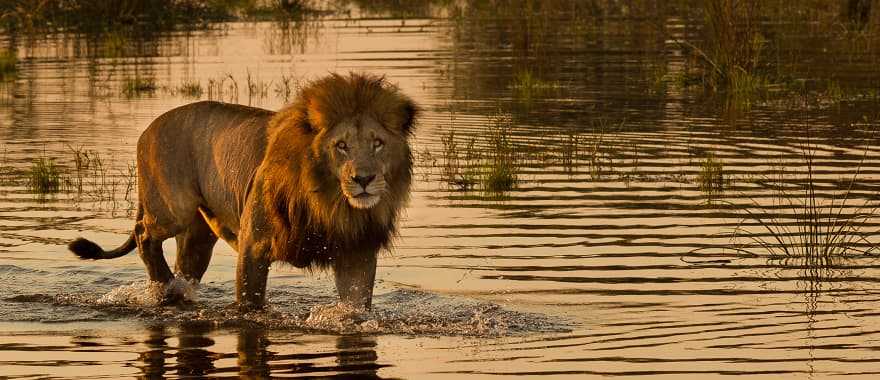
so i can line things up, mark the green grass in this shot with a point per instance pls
(44, 176)
(527, 85)
(133, 87)
(500, 166)
(711, 177)
(8, 65)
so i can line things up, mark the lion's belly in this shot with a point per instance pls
(218, 228)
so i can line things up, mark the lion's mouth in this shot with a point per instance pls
(363, 200)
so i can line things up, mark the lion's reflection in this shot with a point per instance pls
(255, 356)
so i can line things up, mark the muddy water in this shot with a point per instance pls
(606, 258)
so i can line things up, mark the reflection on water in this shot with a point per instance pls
(647, 227)
(253, 354)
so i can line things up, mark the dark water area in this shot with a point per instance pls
(580, 209)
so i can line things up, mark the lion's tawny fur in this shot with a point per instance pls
(312, 199)
(319, 183)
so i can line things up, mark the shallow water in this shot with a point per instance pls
(606, 260)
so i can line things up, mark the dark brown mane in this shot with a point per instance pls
(311, 220)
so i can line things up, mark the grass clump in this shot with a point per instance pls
(527, 85)
(500, 175)
(734, 44)
(458, 168)
(133, 87)
(711, 177)
(44, 176)
(569, 149)
(8, 64)
(807, 229)
(189, 89)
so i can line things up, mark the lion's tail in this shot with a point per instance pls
(88, 250)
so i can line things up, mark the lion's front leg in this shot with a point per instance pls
(250, 280)
(355, 273)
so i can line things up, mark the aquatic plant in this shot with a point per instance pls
(114, 44)
(44, 176)
(285, 87)
(8, 65)
(257, 89)
(734, 44)
(710, 180)
(458, 167)
(145, 15)
(527, 85)
(190, 88)
(805, 229)
(138, 85)
(599, 158)
(224, 88)
(569, 149)
(500, 172)
(834, 93)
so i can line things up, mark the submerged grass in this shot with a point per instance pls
(138, 85)
(8, 65)
(489, 163)
(527, 85)
(500, 174)
(44, 176)
(711, 177)
(190, 89)
(458, 168)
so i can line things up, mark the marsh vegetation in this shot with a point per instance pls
(638, 167)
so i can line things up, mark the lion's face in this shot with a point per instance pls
(361, 153)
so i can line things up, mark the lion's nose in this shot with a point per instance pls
(363, 180)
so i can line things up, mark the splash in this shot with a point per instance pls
(303, 308)
(150, 293)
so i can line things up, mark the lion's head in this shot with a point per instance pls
(356, 174)
(361, 154)
(362, 126)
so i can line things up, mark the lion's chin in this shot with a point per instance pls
(363, 201)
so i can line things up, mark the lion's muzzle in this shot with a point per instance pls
(364, 191)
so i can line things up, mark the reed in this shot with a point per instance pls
(808, 229)
(137, 86)
(527, 85)
(710, 179)
(44, 176)
(458, 168)
(500, 172)
(8, 65)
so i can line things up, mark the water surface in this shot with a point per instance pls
(605, 259)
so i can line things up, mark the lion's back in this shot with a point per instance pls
(203, 153)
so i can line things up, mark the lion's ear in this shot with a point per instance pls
(315, 118)
(410, 112)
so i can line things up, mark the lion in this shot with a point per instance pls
(319, 184)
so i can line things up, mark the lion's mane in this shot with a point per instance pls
(311, 220)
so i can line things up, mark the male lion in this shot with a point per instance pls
(318, 184)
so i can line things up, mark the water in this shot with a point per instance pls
(606, 259)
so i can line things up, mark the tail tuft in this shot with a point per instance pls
(85, 249)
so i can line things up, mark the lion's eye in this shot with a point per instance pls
(377, 144)
(342, 146)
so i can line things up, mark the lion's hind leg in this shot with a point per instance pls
(150, 236)
(194, 249)
(150, 251)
